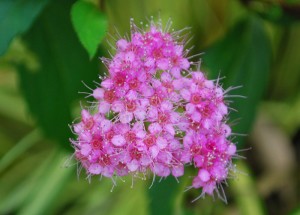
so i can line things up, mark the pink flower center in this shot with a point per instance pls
(157, 53)
(150, 140)
(88, 124)
(168, 86)
(130, 137)
(120, 80)
(155, 100)
(121, 165)
(97, 143)
(109, 96)
(175, 61)
(206, 111)
(195, 125)
(133, 84)
(163, 118)
(135, 154)
(195, 149)
(195, 98)
(109, 135)
(130, 105)
(104, 160)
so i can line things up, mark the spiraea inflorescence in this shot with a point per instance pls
(155, 113)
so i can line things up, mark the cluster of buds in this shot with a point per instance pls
(155, 114)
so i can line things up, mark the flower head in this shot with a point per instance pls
(155, 113)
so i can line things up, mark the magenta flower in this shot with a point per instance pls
(155, 113)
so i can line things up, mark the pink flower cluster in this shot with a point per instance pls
(154, 113)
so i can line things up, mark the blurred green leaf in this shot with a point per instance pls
(19, 149)
(243, 57)
(19, 181)
(49, 187)
(296, 211)
(98, 195)
(13, 107)
(245, 192)
(162, 196)
(50, 87)
(286, 67)
(281, 14)
(16, 17)
(90, 25)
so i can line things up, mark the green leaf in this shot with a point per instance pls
(245, 192)
(295, 211)
(285, 13)
(19, 148)
(21, 179)
(53, 84)
(16, 17)
(48, 188)
(162, 196)
(90, 25)
(243, 57)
